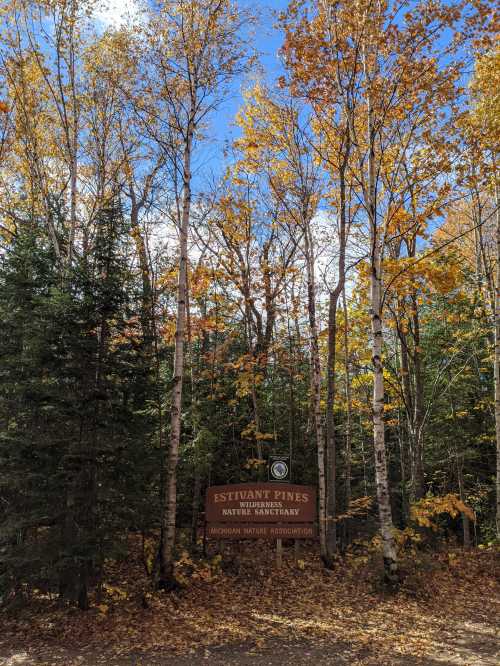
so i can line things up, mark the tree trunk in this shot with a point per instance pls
(331, 444)
(408, 401)
(73, 205)
(332, 357)
(198, 394)
(381, 478)
(147, 290)
(291, 369)
(195, 505)
(459, 464)
(348, 425)
(497, 349)
(417, 476)
(166, 573)
(316, 386)
(258, 426)
(72, 133)
(412, 384)
(465, 518)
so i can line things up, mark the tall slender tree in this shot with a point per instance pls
(192, 50)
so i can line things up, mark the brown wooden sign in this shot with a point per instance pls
(260, 510)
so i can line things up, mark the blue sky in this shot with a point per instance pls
(266, 42)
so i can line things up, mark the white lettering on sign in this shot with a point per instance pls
(285, 495)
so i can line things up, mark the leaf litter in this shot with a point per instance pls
(241, 607)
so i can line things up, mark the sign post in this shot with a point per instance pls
(279, 471)
(279, 553)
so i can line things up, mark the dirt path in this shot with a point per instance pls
(277, 654)
(474, 644)
(445, 614)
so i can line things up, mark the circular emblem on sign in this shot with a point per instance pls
(279, 469)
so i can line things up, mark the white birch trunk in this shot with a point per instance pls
(166, 578)
(381, 477)
(72, 135)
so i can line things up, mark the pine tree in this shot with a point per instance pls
(75, 451)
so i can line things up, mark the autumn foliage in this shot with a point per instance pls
(203, 264)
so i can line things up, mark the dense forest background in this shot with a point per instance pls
(330, 289)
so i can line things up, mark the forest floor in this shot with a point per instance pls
(242, 610)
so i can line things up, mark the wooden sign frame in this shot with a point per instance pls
(260, 511)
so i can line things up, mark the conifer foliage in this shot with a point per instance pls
(74, 445)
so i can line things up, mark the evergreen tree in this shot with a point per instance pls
(76, 454)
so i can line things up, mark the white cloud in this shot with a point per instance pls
(116, 13)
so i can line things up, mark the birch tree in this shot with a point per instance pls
(193, 49)
(390, 77)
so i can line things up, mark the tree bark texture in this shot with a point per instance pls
(166, 574)
(316, 387)
(497, 351)
(381, 476)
